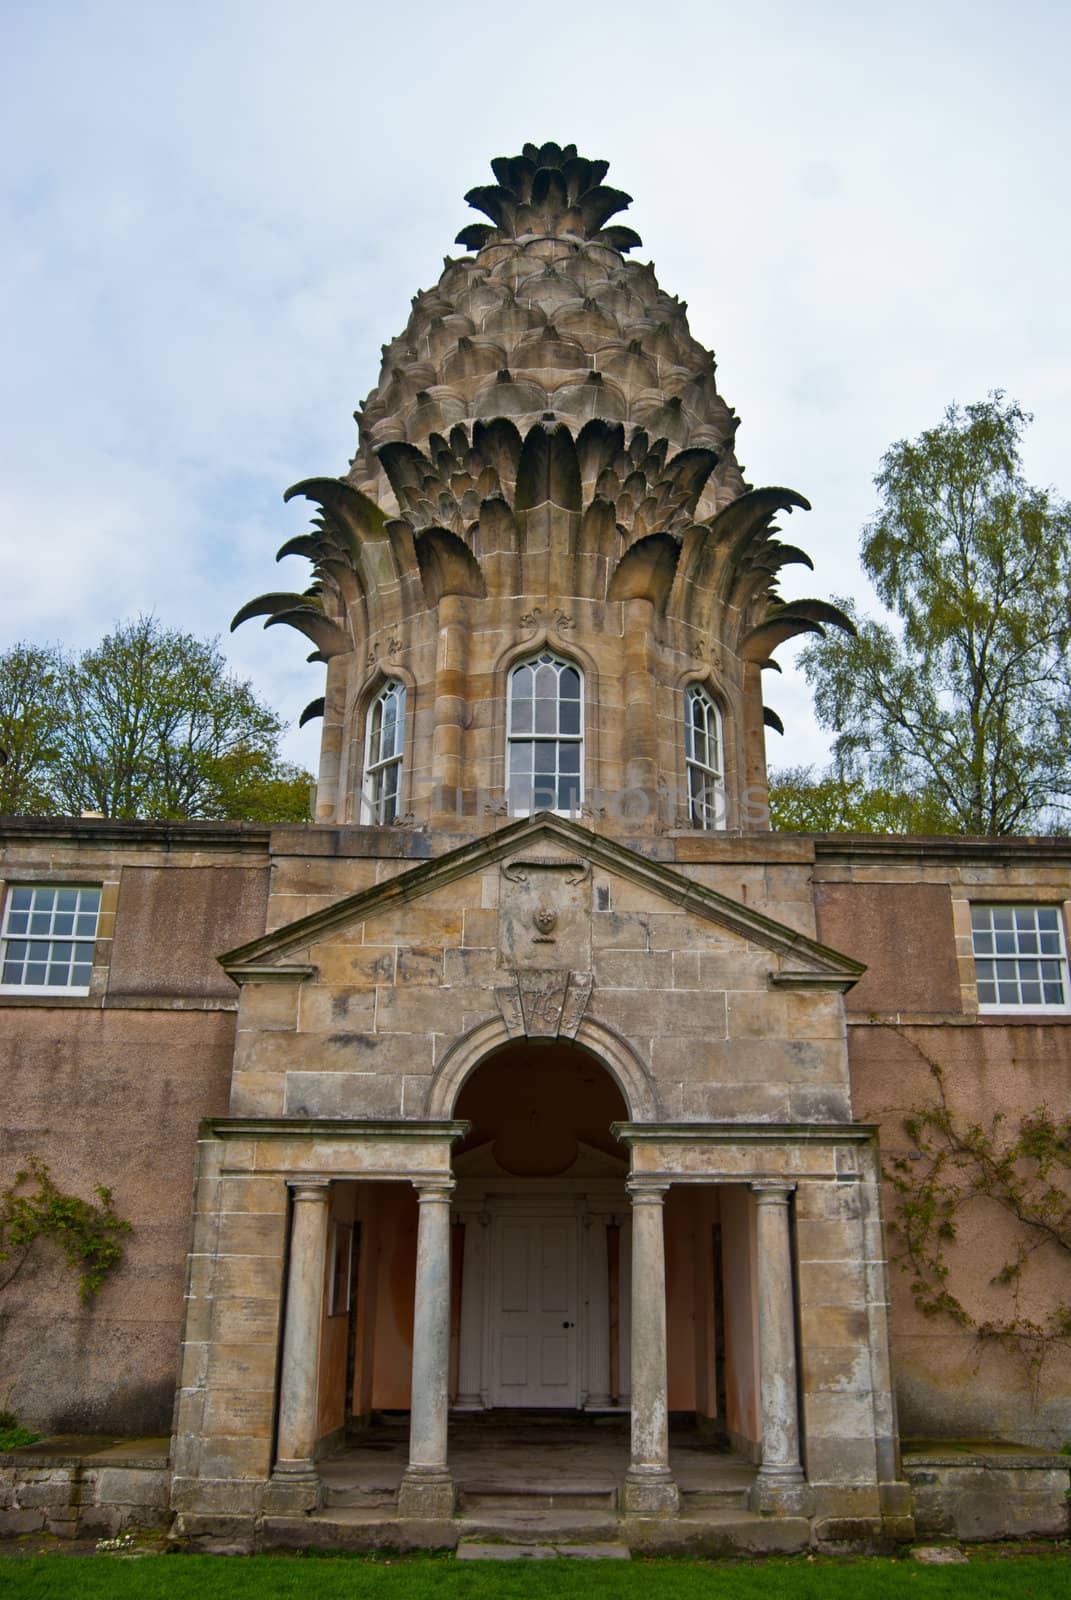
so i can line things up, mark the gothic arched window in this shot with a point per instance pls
(383, 749)
(703, 757)
(545, 736)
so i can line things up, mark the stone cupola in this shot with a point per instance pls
(545, 475)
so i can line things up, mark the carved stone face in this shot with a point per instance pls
(545, 918)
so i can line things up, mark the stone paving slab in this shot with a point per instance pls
(595, 1552)
(90, 1450)
(543, 1552)
(938, 1555)
(518, 1454)
(541, 1527)
(506, 1552)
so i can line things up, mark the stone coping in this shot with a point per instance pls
(939, 846)
(685, 846)
(253, 836)
(329, 1127)
(745, 1132)
(90, 1450)
(999, 1453)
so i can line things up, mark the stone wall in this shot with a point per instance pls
(80, 1486)
(109, 1089)
(988, 1492)
(698, 987)
(903, 906)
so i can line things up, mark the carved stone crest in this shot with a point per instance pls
(542, 1004)
(544, 911)
(519, 868)
(560, 619)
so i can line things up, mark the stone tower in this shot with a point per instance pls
(546, 479)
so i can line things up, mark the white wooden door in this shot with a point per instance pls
(534, 1312)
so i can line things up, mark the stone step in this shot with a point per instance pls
(471, 1550)
(545, 1527)
(713, 1499)
(350, 1495)
(598, 1495)
(356, 1528)
(700, 1532)
(718, 1533)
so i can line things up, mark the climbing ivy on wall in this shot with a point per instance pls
(88, 1233)
(1023, 1167)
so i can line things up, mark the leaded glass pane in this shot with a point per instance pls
(384, 749)
(703, 758)
(545, 745)
(546, 715)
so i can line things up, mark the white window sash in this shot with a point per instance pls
(1017, 957)
(378, 773)
(83, 945)
(518, 736)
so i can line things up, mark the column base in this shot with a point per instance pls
(426, 1492)
(293, 1488)
(781, 1494)
(650, 1493)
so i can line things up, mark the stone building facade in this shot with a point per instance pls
(536, 1074)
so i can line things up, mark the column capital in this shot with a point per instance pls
(647, 1191)
(433, 1191)
(317, 1190)
(772, 1191)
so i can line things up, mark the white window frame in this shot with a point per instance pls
(1019, 957)
(378, 768)
(34, 910)
(702, 813)
(516, 736)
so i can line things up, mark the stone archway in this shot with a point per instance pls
(541, 1213)
(611, 1051)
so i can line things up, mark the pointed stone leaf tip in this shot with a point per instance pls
(548, 190)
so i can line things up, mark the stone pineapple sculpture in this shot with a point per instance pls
(546, 436)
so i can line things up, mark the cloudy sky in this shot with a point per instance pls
(215, 212)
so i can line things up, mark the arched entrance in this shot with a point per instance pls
(541, 1283)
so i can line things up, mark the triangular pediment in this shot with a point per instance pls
(804, 961)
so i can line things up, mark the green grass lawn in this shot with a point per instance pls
(174, 1577)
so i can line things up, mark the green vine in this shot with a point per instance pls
(33, 1208)
(1024, 1169)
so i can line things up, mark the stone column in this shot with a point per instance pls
(640, 722)
(751, 810)
(780, 1484)
(448, 737)
(649, 1486)
(295, 1482)
(427, 1489)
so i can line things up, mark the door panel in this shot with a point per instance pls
(557, 1266)
(534, 1312)
(515, 1261)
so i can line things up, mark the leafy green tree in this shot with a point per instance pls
(968, 701)
(803, 801)
(149, 723)
(31, 725)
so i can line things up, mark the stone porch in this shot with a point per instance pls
(507, 1460)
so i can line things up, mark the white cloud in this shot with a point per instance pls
(216, 213)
